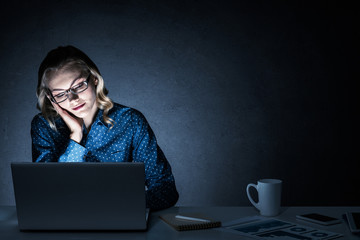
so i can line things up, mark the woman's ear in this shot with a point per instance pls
(96, 81)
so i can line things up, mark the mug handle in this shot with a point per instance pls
(250, 198)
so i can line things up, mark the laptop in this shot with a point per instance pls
(80, 196)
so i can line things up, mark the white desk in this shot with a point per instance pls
(158, 230)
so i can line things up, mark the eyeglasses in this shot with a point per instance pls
(78, 88)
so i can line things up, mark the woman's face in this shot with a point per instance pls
(81, 105)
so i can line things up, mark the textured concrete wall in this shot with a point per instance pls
(233, 92)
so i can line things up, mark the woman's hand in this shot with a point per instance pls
(74, 124)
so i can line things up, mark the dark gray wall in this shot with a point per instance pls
(234, 92)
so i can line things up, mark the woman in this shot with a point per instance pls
(79, 123)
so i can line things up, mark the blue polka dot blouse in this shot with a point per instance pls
(130, 139)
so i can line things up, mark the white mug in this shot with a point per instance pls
(269, 192)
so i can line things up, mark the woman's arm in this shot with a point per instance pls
(53, 146)
(161, 190)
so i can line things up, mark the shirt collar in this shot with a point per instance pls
(99, 119)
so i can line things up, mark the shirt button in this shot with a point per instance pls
(88, 154)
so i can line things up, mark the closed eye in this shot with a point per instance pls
(59, 95)
(80, 85)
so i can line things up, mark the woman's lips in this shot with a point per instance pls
(78, 107)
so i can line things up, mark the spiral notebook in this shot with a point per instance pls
(185, 222)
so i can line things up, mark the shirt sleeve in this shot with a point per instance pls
(50, 146)
(161, 190)
(74, 153)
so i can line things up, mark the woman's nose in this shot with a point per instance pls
(72, 96)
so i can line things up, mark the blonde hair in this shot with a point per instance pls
(63, 59)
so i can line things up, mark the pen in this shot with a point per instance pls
(191, 218)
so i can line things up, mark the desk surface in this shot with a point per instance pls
(157, 229)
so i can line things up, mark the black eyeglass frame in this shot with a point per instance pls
(52, 98)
